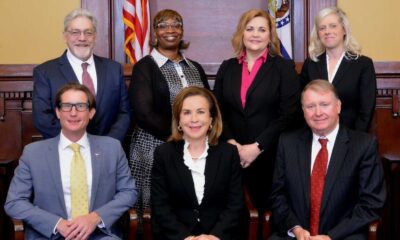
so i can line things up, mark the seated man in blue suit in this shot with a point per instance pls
(75, 185)
(328, 180)
(78, 64)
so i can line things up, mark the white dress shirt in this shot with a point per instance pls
(331, 75)
(196, 167)
(65, 155)
(76, 64)
(316, 146)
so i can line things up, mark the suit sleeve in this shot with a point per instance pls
(125, 192)
(288, 105)
(229, 218)
(283, 216)
(44, 116)
(18, 204)
(121, 124)
(367, 93)
(162, 210)
(203, 75)
(142, 93)
(304, 75)
(218, 92)
(372, 195)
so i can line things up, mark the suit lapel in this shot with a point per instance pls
(335, 164)
(184, 173)
(66, 69)
(304, 163)
(97, 157)
(343, 67)
(53, 165)
(101, 72)
(322, 67)
(211, 170)
(236, 83)
(261, 75)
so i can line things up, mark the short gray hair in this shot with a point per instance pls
(79, 12)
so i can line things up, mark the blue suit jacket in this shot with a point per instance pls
(36, 195)
(112, 116)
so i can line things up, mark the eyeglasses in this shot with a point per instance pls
(165, 26)
(80, 107)
(78, 33)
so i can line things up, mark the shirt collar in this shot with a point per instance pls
(77, 61)
(188, 158)
(263, 57)
(331, 136)
(65, 142)
(161, 59)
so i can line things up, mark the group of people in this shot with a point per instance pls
(194, 150)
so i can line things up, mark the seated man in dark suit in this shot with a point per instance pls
(78, 64)
(328, 180)
(75, 185)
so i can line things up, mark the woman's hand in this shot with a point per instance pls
(233, 142)
(248, 153)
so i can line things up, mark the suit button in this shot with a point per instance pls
(196, 214)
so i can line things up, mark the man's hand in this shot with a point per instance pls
(63, 227)
(301, 233)
(248, 153)
(83, 226)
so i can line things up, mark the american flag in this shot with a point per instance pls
(136, 17)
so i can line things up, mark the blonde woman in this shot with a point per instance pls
(336, 56)
(258, 92)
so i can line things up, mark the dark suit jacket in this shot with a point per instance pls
(175, 209)
(271, 105)
(355, 83)
(36, 192)
(149, 97)
(354, 189)
(271, 101)
(112, 116)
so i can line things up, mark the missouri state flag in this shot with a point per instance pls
(280, 11)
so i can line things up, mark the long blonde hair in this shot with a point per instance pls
(351, 46)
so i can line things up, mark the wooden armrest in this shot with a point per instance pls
(373, 230)
(18, 229)
(133, 224)
(267, 224)
(147, 234)
(253, 214)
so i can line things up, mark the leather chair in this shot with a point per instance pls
(129, 222)
(373, 231)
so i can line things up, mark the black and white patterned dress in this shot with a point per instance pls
(144, 143)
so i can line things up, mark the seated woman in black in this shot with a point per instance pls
(196, 187)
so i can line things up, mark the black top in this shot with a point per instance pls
(150, 98)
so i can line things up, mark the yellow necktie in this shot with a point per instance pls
(79, 189)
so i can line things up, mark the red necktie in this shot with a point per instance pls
(317, 185)
(86, 79)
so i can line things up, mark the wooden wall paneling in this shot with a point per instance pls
(102, 11)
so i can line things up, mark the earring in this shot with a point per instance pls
(210, 127)
(179, 128)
